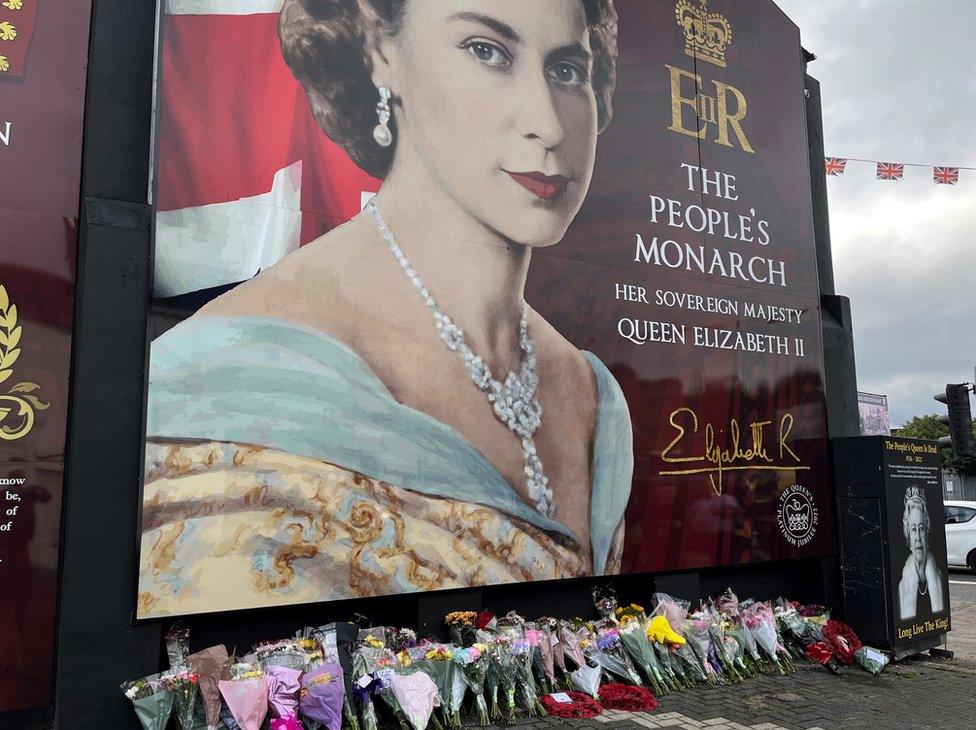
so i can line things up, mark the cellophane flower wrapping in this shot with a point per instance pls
(587, 679)
(675, 610)
(526, 686)
(547, 650)
(759, 621)
(417, 695)
(633, 636)
(438, 663)
(210, 665)
(573, 640)
(871, 660)
(605, 601)
(371, 655)
(152, 701)
(609, 653)
(183, 684)
(699, 639)
(177, 646)
(283, 689)
(246, 695)
(322, 694)
(504, 661)
(474, 661)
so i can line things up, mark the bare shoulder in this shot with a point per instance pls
(310, 286)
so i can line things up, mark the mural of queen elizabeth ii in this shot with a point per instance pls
(381, 412)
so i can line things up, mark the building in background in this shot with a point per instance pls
(873, 412)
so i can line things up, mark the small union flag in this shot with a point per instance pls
(946, 175)
(835, 166)
(891, 171)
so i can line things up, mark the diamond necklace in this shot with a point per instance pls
(514, 402)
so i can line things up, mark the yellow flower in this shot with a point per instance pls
(373, 642)
(13, 4)
(8, 31)
(4, 63)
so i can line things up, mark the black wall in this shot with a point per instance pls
(98, 645)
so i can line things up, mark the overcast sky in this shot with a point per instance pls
(898, 85)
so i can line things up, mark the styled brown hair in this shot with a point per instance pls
(324, 44)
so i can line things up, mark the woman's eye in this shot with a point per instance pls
(488, 53)
(567, 73)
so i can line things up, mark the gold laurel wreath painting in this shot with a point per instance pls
(18, 406)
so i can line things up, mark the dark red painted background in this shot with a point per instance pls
(40, 176)
(676, 522)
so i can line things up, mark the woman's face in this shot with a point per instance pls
(917, 536)
(495, 103)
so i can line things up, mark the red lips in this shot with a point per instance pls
(542, 186)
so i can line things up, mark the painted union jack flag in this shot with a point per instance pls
(891, 171)
(945, 175)
(835, 166)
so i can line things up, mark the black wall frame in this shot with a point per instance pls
(100, 644)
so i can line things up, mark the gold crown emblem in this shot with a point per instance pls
(707, 35)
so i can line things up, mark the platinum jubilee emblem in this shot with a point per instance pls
(798, 516)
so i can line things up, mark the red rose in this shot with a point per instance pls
(483, 619)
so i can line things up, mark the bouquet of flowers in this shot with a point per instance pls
(438, 663)
(246, 695)
(696, 631)
(609, 653)
(461, 626)
(183, 685)
(871, 660)
(526, 687)
(504, 662)
(374, 659)
(842, 640)
(400, 639)
(587, 679)
(574, 637)
(605, 600)
(321, 696)
(152, 700)
(540, 672)
(760, 622)
(210, 665)
(636, 642)
(474, 660)
(550, 652)
(417, 694)
(177, 646)
(283, 689)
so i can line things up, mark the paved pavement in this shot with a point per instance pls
(915, 693)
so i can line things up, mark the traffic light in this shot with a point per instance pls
(959, 420)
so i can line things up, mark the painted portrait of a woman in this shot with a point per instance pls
(381, 411)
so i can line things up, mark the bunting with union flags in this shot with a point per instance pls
(941, 174)
(17, 18)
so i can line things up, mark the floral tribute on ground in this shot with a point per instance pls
(494, 669)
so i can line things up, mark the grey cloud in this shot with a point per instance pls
(897, 84)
